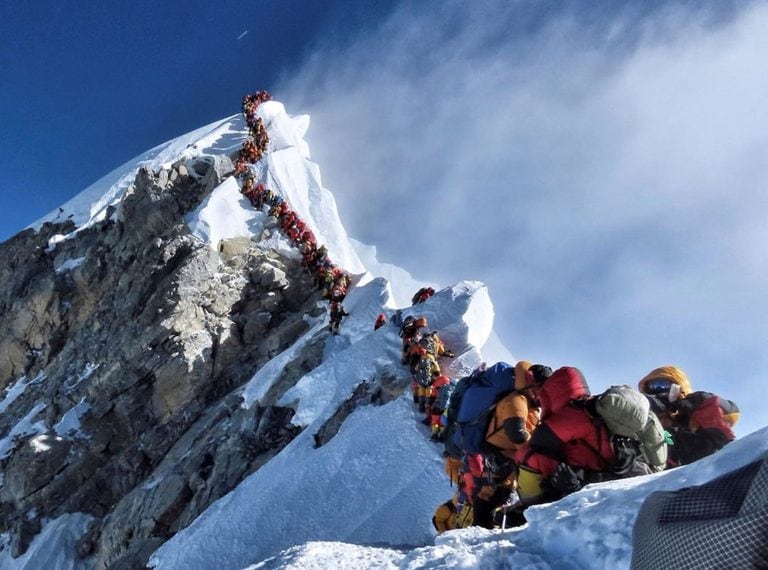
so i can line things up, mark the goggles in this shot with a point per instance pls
(657, 386)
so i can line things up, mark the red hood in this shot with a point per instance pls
(565, 384)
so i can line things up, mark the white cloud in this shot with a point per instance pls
(605, 178)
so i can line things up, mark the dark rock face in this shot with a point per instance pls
(130, 340)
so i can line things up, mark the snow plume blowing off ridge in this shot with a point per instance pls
(362, 497)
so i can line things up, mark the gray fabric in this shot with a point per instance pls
(721, 524)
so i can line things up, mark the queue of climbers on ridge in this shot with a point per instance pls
(332, 281)
(256, 145)
(517, 436)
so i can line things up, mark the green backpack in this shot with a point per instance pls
(424, 370)
(627, 413)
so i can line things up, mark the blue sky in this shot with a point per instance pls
(86, 86)
(601, 166)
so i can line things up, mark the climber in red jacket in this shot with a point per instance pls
(566, 435)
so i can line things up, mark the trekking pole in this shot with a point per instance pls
(504, 521)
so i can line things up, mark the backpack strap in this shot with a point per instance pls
(491, 408)
(497, 428)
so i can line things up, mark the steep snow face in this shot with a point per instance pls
(225, 214)
(379, 471)
(287, 171)
(375, 352)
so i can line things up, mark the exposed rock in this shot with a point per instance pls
(139, 336)
(375, 393)
(163, 178)
(34, 465)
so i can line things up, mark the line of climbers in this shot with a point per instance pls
(422, 350)
(331, 279)
(255, 146)
(521, 435)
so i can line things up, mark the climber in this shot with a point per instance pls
(410, 332)
(307, 250)
(241, 166)
(516, 415)
(287, 220)
(437, 400)
(341, 278)
(338, 293)
(326, 285)
(321, 255)
(279, 209)
(308, 237)
(381, 320)
(699, 423)
(337, 313)
(454, 513)
(496, 413)
(425, 369)
(248, 189)
(583, 439)
(453, 454)
(269, 198)
(299, 227)
(434, 346)
(422, 295)
(259, 192)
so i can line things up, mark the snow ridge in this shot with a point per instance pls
(365, 498)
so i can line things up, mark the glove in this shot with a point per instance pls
(565, 479)
(485, 493)
(449, 353)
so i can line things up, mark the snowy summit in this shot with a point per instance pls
(356, 480)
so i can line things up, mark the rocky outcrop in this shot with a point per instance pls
(377, 392)
(122, 347)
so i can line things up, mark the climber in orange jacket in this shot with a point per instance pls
(516, 415)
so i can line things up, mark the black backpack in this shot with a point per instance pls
(407, 323)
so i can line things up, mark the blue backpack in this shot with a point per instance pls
(444, 396)
(477, 404)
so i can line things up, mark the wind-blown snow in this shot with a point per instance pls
(371, 490)
(402, 287)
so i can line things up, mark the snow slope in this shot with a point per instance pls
(366, 497)
(379, 470)
(589, 529)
